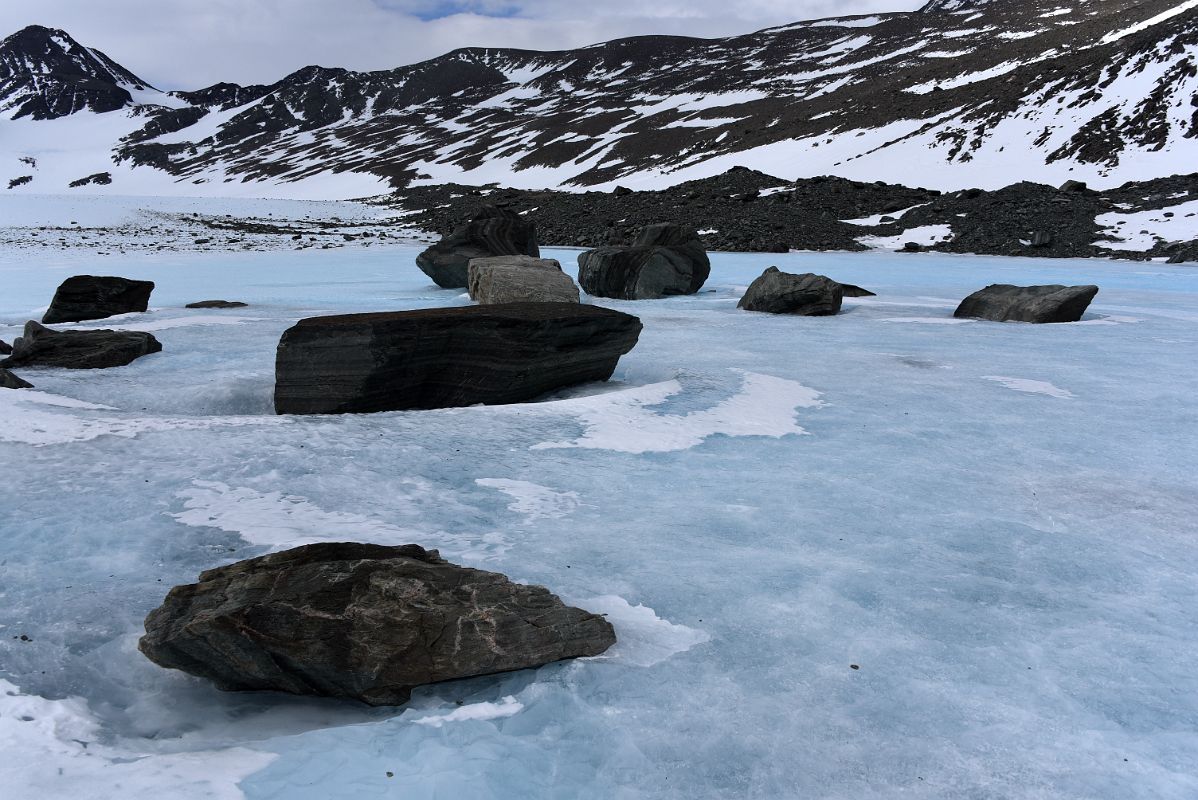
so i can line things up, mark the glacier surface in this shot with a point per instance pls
(845, 557)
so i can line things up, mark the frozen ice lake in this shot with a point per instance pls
(994, 523)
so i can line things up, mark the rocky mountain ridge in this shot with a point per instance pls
(959, 93)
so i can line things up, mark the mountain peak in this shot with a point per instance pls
(45, 74)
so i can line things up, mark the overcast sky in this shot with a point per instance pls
(189, 44)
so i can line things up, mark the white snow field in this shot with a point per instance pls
(846, 558)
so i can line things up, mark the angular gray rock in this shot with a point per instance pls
(10, 381)
(1005, 303)
(84, 297)
(444, 357)
(491, 232)
(361, 621)
(5, 348)
(665, 260)
(217, 304)
(808, 295)
(42, 347)
(849, 290)
(520, 279)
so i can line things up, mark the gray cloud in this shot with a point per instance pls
(188, 44)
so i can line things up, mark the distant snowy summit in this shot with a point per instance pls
(960, 93)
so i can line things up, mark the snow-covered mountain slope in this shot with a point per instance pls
(960, 93)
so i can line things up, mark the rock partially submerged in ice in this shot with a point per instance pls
(520, 279)
(665, 260)
(217, 304)
(10, 381)
(84, 297)
(446, 357)
(850, 290)
(362, 621)
(491, 232)
(1005, 303)
(807, 295)
(43, 347)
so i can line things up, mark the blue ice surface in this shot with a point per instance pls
(1015, 574)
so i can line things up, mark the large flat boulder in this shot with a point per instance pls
(807, 295)
(445, 357)
(43, 347)
(665, 260)
(519, 279)
(1002, 302)
(491, 232)
(84, 297)
(10, 381)
(361, 621)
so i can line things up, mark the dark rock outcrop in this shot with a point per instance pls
(5, 348)
(217, 304)
(1006, 303)
(665, 260)
(520, 279)
(97, 179)
(42, 347)
(808, 295)
(491, 232)
(444, 357)
(361, 621)
(10, 381)
(84, 297)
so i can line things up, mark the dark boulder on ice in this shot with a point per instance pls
(664, 260)
(808, 295)
(1006, 303)
(520, 279)
(850, 290)
(42, 347)
(84, 297)
(913, 247)
(10, 381)
(445, 357)
(5, 348)
(491, 232)
(361, 621)
(217, 304)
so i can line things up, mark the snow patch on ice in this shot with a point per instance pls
(622, 421)
(1030, 386)
(25, 423)
(507, 707)
(280, 521)
(51, 749)
(533, 500)
(643, 639)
